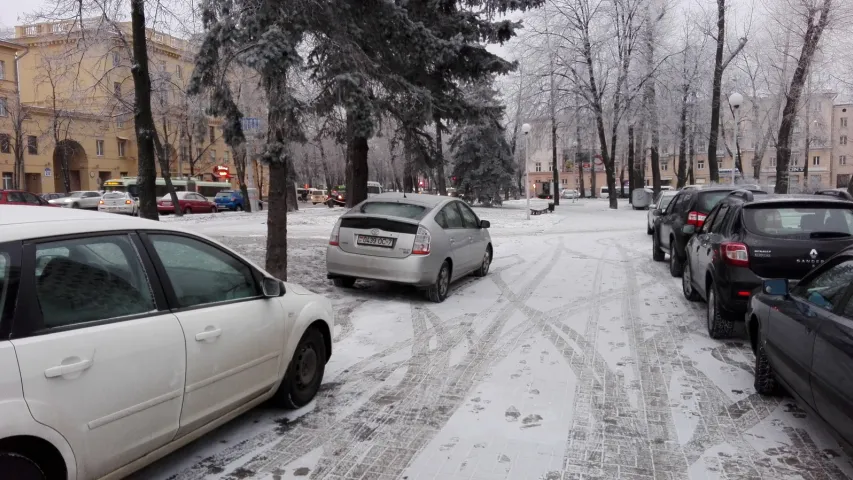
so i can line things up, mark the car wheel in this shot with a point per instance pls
(19, 467)
(649, 229)
(687, 283)
(657, 253)
(75, 205)
(676, 268)
(239, 208)
(718, 326)
(305, 372)
(214, 210)
(344, 282)
(188, 211)
(487, 262)
(765, 380)
(438, 291)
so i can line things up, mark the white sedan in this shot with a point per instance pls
(124, 339)
(88, 200)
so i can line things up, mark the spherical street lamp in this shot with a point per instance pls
(736, 100)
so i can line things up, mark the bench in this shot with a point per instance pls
(540, 211)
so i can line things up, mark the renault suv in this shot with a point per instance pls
(747, 238)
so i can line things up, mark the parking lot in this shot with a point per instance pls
(576, 357)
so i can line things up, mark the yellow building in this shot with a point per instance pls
(76, 91)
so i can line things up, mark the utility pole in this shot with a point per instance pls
(526, 129)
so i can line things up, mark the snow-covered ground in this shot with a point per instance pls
(576, 357)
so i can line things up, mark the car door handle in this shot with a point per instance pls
(208, 334)
(60, 370)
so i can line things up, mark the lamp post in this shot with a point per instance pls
(735, 100)
(526, 129)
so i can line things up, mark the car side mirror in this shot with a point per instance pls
(688, 229)
(273, 287)
(485, 224)
(657, 212)
(775, 286)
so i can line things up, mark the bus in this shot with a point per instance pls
(374, 188)
(128, 184)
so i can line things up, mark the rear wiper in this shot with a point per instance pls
(828, 234)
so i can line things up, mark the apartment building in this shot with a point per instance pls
(76, 90)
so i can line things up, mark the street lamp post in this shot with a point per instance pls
(526, 129)
(736, 100)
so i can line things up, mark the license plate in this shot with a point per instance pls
(372, 241)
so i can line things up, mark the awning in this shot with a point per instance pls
(122, 138)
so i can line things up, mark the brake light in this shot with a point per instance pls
(696, 218)
(336, 233)
(735, 254)
(422, 242)
(126, 202)
(100, 202)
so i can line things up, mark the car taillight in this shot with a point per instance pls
(100, 202)
(335, 237)
(126, 202)
(696, 218)
(422, 242)
(735, 254)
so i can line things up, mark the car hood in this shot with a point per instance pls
(297, 289)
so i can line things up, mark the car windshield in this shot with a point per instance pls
(114, 195)
(799, 222)
(709, 200)
(394, 209)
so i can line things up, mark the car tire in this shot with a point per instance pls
(687, 283)
(304, 373)
(657, 253)
(344, 282)
(238, 208)
(765, 379)
(437, 292)
(649, 230)
(20, 467)
(75, 205)
(719, 327)
(329, 203)
(487, 262)
(188, 211)
(676, 266)
(214, 210)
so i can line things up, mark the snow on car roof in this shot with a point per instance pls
(416, 198)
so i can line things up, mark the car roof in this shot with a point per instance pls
(37, 222)
(774, 198)
(413, 198)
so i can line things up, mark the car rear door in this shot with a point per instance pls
(234, 336)
(475, 247)
(700, 254)
(665, 227)
(450, 220)
(831, 375)
(102, 360)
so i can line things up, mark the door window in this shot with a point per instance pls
(4, 280)
(452, 217)
(673, 205)
(31, 199)
(706, 227)
(468, 217)
(14, 197)
(88, 279)
(202, 274)
(720, 219)
(826, 289)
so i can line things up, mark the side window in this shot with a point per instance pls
(202, 274)
(716, 227)
(452, 216)
(468, 217)
(827, 289)
(441, 220)
(92, 194)
(673, 205)
(31, 199)
(684, 206)
(14, 197)
(709, 220)
(88, 279)
(5, 279)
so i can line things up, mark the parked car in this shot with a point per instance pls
(51, 196)
(801, 336)
(659, 203)
(317, 196)
(124, 339)
(423, 240)
(233, 200)
(80, 199)
(841, 193)
(119, 202)
(689, 207)
(20, 197)
(570, 194)
(747, 238)
(374, 188)
(189, 202)
(338, 197)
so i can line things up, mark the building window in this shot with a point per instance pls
(179, 71)
(7, 181)
(122, 144)
(225, 158)
(664, 166)
(99, 148)
(3, 110)
(32, 145)
(772, 161)
(185, 153)
(842, 160)
(816, 161)
(550, 167)
(5, 143)
(212, 134)
(700, 164)
(122, 174)
(117, 89)
(843, 140)
(843, 121)
(538, 166)
(116, 59)
(795, 159)
(213, 156)
(2, 70)
(31, 30)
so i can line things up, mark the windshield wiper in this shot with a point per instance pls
(828, 235)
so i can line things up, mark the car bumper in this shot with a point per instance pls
(125, 209)
(415, 270)
(165, 209)
(740, 280)
(226, 206)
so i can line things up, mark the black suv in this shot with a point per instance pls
(688, 209)
(747, 238)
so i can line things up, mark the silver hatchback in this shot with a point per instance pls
(422, 240)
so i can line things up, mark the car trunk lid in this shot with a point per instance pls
(377, 236)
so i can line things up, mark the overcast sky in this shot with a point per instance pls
(11, 10)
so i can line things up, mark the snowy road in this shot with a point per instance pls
(576, 357)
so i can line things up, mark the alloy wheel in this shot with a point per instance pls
(712, 308)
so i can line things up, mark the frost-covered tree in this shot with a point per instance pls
(483, 163)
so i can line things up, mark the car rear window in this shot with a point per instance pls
(224, 194)
(708, 200)
(110, 196)
(799, 222)
(394, 209)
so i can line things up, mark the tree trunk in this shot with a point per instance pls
(276, 261)
(144, 120)
(167, 176)
(555, 193)
(682, 141)
(632, 174)
(717, 83)
(439, 164)
(692, 142)
(810, 43)
(240, 159)
(357, 173)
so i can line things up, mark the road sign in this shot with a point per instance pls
(48, 172)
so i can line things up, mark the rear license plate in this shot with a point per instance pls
(372, 241)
